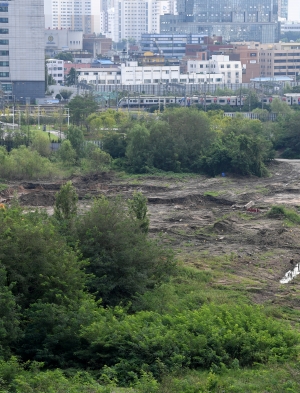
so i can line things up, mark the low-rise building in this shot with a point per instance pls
(55, 68)
(220, 65)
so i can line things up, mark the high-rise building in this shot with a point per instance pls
(81, 15)
(234, 20)
(294, 10)
(22, 57)
(283, 8)
(130, 18)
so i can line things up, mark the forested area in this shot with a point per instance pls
(89, 302)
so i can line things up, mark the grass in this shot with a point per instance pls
(3, 187)
(213, 193)
(282, 212)
(275, 378)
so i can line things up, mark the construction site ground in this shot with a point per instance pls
(211, 224)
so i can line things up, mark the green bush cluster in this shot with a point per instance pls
(210, 337)
(24, 163)
(284, 212)
(188, 140)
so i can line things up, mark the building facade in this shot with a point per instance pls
(234, 20)
(169, 45)
(132, 76)
(280, 60)
(60, 40)
(83, 15)
(55, 68)
(218, 64)
(129, 19)
(22, 57)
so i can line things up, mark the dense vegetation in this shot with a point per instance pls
(89, 302)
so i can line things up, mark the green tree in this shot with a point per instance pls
(138, 149)
(80, 108)
(76, 137)
(39, 264)
(280, 107)
(66, 94)
(66, 153)
(138, 208)
(122, 260)
(71, 77)
(192, 134)
(65, 56)
(66, 199)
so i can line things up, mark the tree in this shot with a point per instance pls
(40, 143)
(66, 153)
(138, 208)
(71, 77)
(80, 108)
(66, 202)
(65, 56)
(138, 149)
(39, 264)
(122, 260)
(192, 134)
(66, 94)
(280, 107)
(76, 137)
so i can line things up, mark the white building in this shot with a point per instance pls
(99, 76)
(219, 64)
(84, 15)
(61, 40)
(22, 57)
(55, 68)
(130, 74)
(131, 18)
(294, 10)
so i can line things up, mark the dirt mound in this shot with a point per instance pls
(178, 200)
(280, 237)
(225, 226)
(40, 186)
(37, 199)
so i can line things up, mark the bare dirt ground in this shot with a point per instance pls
(205, 221)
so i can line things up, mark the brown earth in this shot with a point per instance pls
(204, 219)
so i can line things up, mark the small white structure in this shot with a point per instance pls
(55, 68)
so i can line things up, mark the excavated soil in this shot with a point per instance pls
(203, 218)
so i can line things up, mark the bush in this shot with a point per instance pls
(281, 211)
(212, 336)
(24, 163)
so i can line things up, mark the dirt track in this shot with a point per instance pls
(203, 217)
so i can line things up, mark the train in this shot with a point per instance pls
(205, 100)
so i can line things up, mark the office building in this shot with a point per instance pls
(22, 57)
(169, 45)
(280, 60)
(234, 20)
